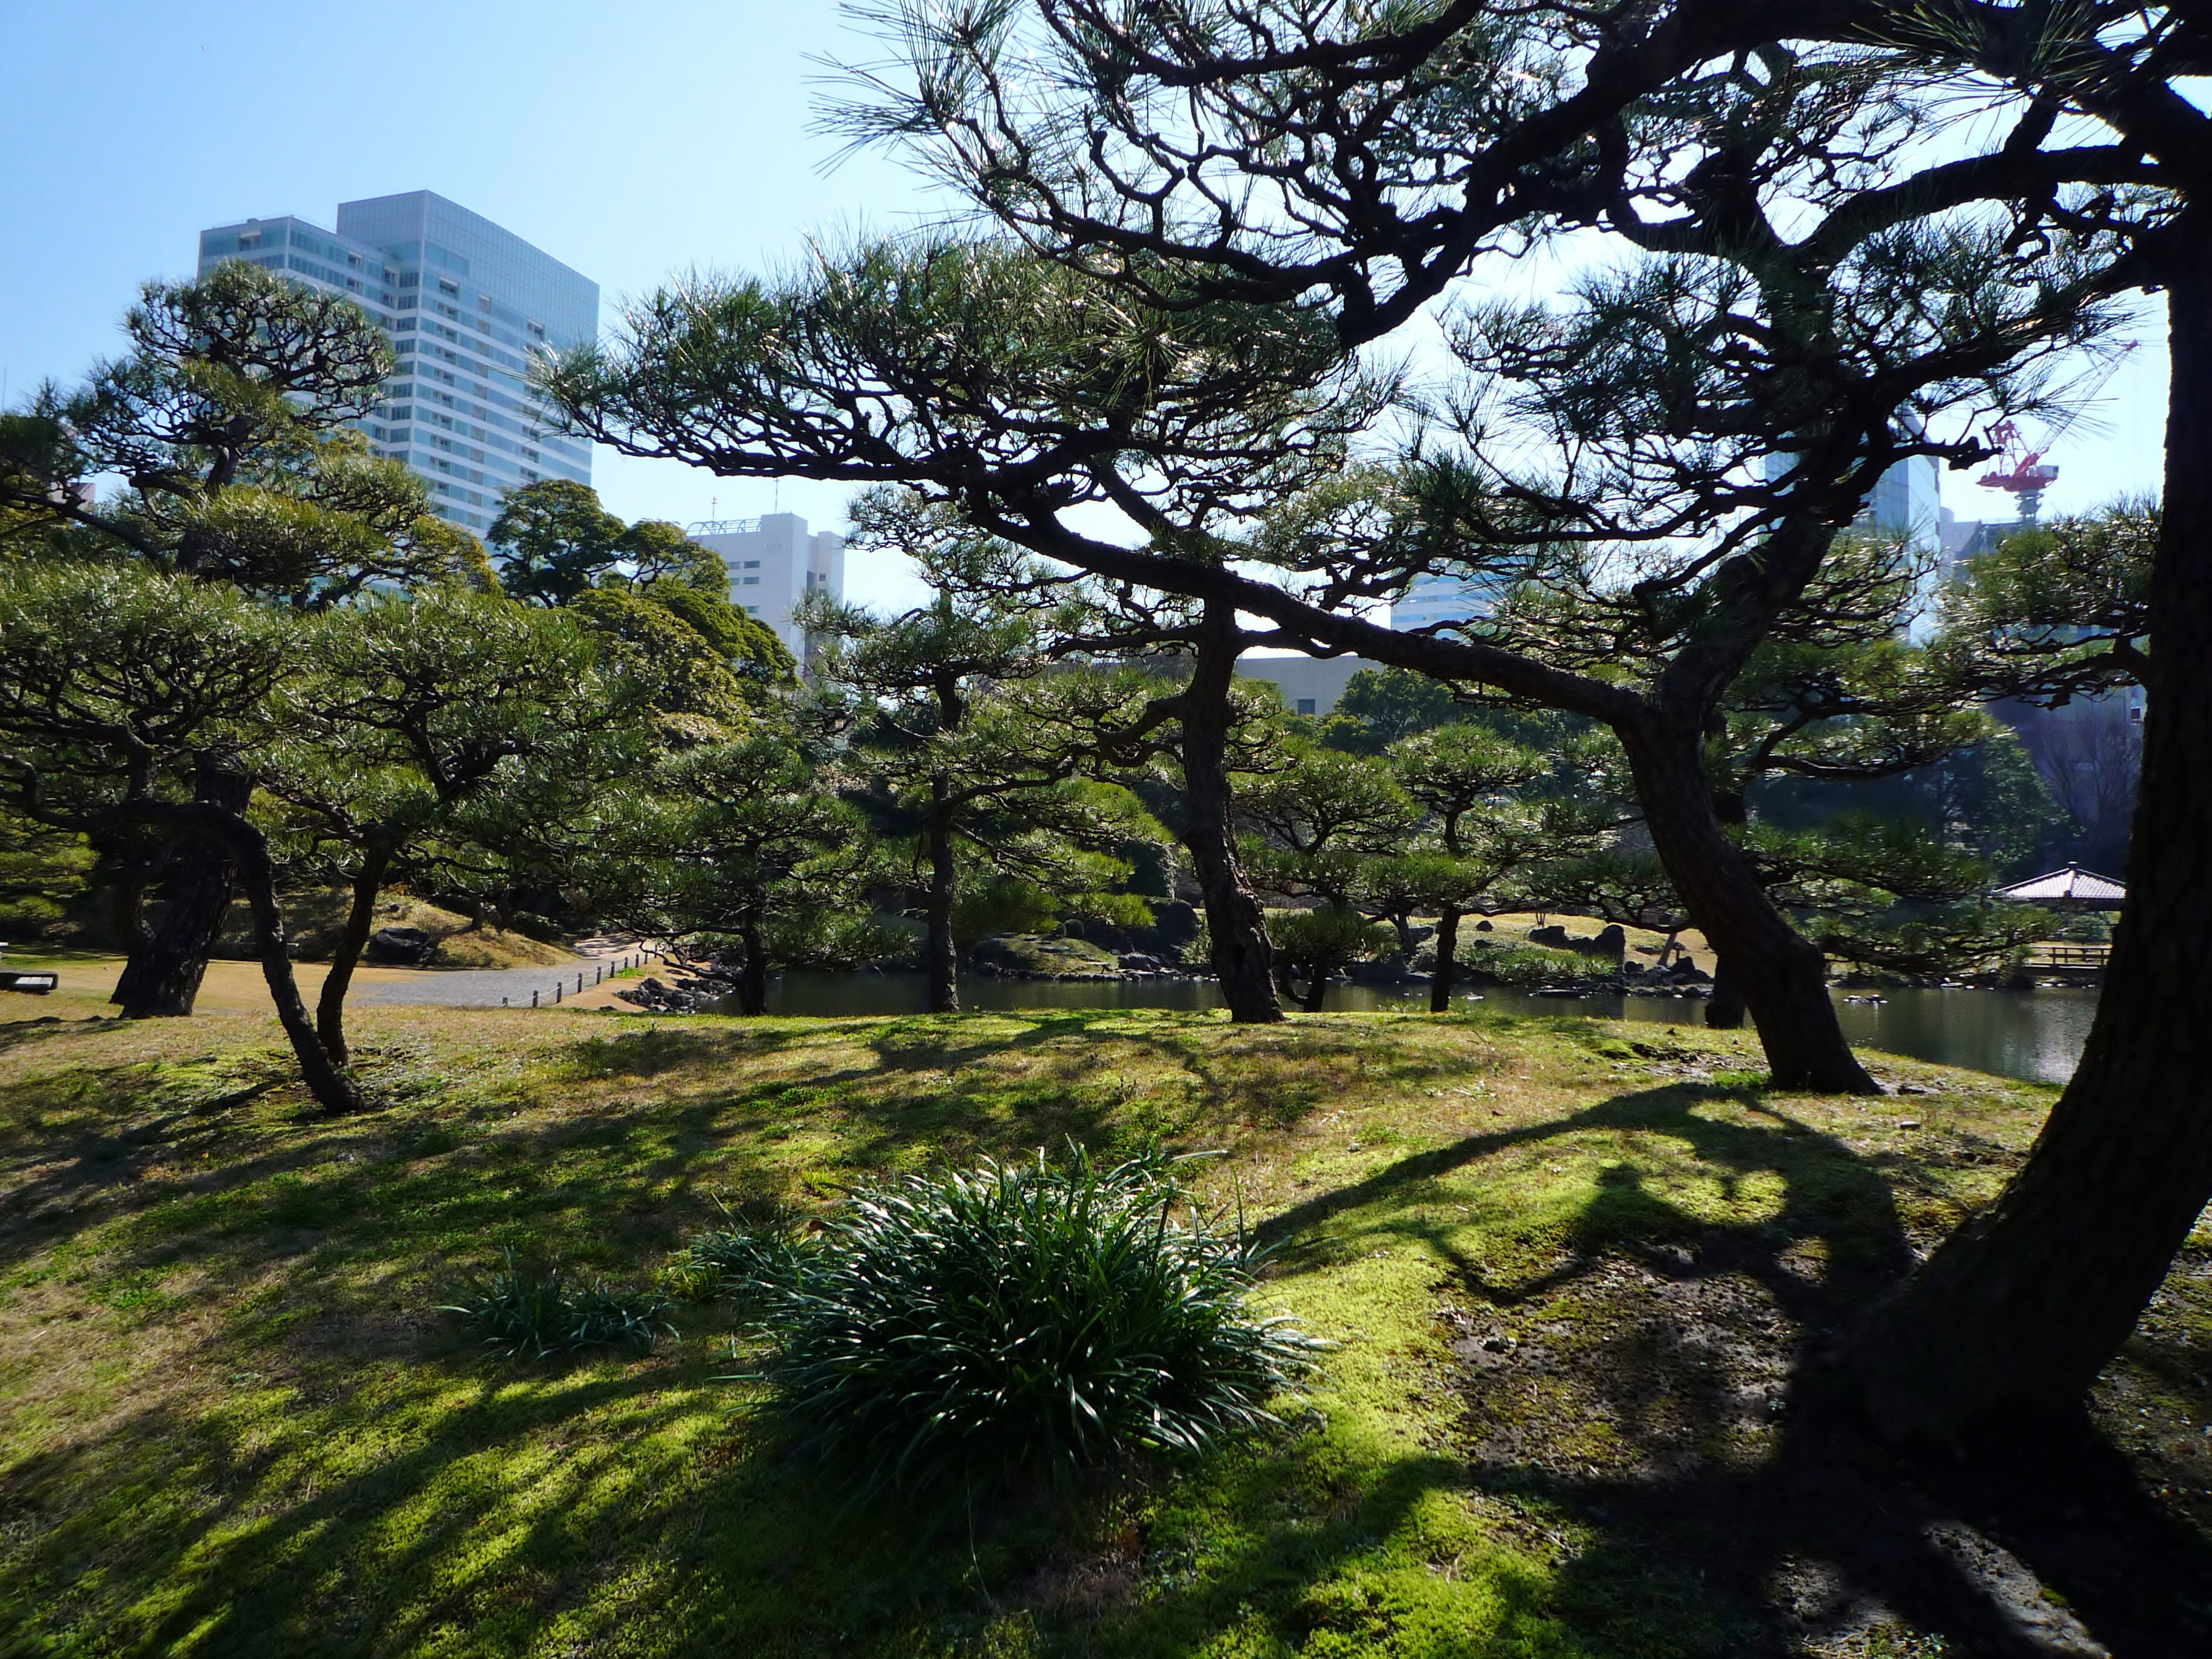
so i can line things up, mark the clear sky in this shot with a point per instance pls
(631, 142)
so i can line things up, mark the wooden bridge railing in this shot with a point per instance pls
(2079, 956)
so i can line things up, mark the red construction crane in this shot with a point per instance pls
(2024, 471)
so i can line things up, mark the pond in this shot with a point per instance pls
(2036, 1035)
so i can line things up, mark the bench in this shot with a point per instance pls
(33, 981)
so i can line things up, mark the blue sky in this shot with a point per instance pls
(631, 142)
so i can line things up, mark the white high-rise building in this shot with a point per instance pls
(773, 564)
(468, 306)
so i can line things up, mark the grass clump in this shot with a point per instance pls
(759, 1244)
(1019, 1319)
(538, 1311)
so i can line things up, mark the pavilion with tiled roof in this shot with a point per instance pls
(2072, 888)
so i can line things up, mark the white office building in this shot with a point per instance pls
(773, 564)
(468, 306)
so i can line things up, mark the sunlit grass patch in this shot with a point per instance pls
(232, 1420)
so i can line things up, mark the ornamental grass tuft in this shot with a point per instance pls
(760, 1244)
(1018, 1320)
(540, 1311)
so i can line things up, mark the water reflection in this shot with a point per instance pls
(2037, 1035)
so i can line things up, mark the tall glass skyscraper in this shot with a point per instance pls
(466, 304)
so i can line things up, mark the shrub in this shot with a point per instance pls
(541, 1312)
(761, 1245)
(1515, 964)
(1019, 1318)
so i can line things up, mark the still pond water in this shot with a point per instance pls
(2036, 1035)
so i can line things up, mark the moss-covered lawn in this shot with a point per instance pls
(1568, 1274)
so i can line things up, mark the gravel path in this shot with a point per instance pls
(471, 988)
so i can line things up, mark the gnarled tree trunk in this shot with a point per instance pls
(752, 978)
(361, 921)
(161, 978)
(1782, 976)
(245, 850)
(121, 876)
(2019, 1309)
(1316, 992)
(325, 1076)
(1236, 925)
(1440, 980)
(939, 948)
(1724, 1012)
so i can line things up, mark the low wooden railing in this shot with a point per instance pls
(2079, 958)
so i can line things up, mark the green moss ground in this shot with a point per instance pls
(231, 1422)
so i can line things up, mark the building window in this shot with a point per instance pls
(1305, 705)
(447, 285)
(750, 582)
(752, 564)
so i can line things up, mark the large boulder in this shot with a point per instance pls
(400, 947)
(1103, 935)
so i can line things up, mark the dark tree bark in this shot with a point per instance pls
(361, 921)
(1316, 990)
(2018, 1311)
(245, 851)
(939, 947)
(161, 979)
(121, 876)
(1783, 976)
(325, 1076)
(1725, 1011)
(1440, 980)
(752, 978)
(1236, 925)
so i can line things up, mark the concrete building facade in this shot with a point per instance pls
(773, 564)
(468, 306)
(1310, 685)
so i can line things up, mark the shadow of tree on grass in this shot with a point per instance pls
(1657, 1387)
